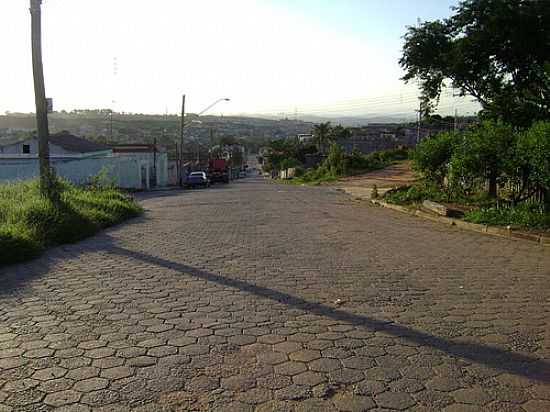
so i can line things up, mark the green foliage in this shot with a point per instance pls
(323, 136)
(533, 157)
(485, 151)
(289, 163)
(30, 223)
(339, 164)
(493, 50)
(284, 153)
(416, 194)
(335, 160)
(300, 171)
(524, 215)
(316, 176)
(432, 155)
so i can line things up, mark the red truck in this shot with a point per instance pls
(218, 171)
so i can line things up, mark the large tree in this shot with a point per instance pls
(497, 51)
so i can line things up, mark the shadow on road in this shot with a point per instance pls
(511, 362)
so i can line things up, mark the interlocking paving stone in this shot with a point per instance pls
(394, 400)
(353, 403)
(62, 398)
(91, 384)
(225, 300)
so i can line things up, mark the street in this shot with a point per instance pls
(259, 296)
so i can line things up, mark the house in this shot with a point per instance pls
(78, 160)
(62, 145)
(152, 159)
(305, 138)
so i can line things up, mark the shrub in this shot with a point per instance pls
(416, 194)
(289, 163)
(533, 158)
(484, 152)
(432, 155)
(300, 171)
(522, 215)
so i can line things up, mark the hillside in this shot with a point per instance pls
(140, 128)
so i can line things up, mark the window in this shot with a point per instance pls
(26, 149)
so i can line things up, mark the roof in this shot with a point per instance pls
(136, 148)
(76, 144)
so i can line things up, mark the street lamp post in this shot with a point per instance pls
(183, 125)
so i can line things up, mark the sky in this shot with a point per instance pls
(279, 57)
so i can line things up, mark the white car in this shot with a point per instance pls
(197, 179)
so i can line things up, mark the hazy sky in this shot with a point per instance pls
(268, 56)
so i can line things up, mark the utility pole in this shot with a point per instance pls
(155, 159)
(456, 120)
(40, 100)
(418, 123)
(111, 125)
(181, 141)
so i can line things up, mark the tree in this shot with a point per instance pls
(340, 132)
(493, 50)
(485, 151)
(432, 155)
(322, 133)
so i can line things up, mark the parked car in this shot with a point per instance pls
(197, 179)
(242, 174)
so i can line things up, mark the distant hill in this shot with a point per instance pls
(348, 121)
(142, 128)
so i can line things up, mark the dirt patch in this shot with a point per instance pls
(398, 174)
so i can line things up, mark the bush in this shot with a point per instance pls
(533, 158)
(432, 155)
(523, 215)
(484, 152)
(30, 223)
(300, 171)
(407, 195)
(289, 163)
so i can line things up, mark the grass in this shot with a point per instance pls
(29, 223)
(415, 194)
(481, 209)
(350, 165)
(527, 216)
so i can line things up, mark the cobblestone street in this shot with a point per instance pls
(263, 297)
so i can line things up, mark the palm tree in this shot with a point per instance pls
(322, 132)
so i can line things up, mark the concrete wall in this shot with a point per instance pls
(129, 171)
(148, 160)
(126, 173)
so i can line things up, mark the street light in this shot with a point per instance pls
(183, 127)
(223, 99)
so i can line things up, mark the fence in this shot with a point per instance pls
(536, 195)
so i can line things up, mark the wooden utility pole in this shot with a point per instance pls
(180, 168)
(40, 100)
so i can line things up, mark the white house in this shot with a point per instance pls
(78, 160)
(62, 146)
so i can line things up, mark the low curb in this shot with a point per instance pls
(473, 227)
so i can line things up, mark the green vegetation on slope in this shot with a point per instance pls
(502, 172)
(30, 223)
(338, 164)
